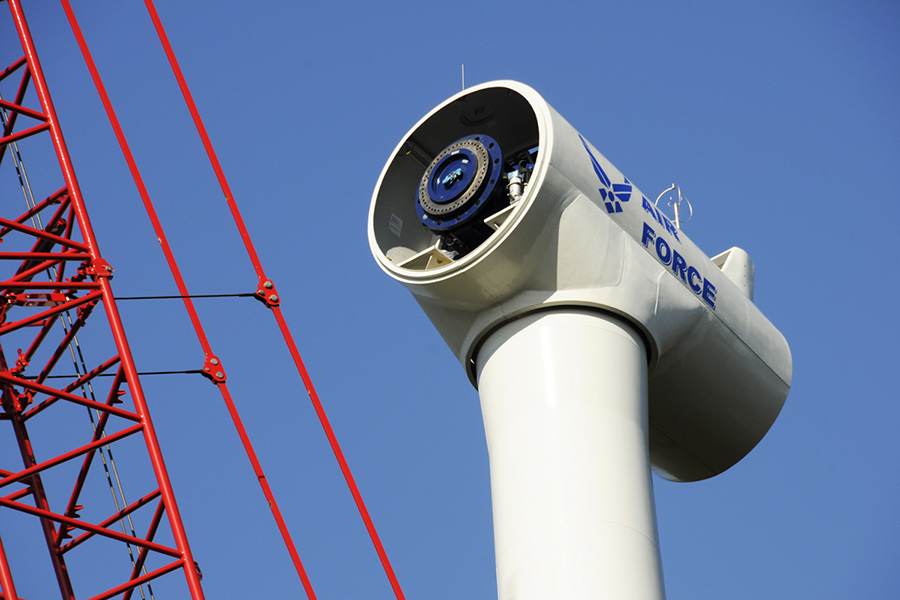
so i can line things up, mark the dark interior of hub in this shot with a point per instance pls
(456, 180)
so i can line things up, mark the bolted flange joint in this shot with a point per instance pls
(267, 294)
(213, 370)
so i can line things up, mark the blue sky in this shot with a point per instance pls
(777, 119)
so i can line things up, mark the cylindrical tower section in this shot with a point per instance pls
(564, 398)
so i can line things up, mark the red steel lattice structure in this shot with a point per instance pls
(54, 280)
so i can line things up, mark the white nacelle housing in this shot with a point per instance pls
(567, 229)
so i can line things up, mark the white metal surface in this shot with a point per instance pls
(735, 263)
(564, 398)
(719, 370)
(601, 339)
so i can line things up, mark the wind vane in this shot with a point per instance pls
(675, 203)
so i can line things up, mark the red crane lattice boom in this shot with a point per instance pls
(54, 280)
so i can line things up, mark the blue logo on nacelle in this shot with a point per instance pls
(613, 194)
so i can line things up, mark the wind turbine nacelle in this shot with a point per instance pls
(493, 207)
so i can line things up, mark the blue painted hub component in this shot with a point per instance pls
(459, 183)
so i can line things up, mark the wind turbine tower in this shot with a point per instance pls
(602, 341)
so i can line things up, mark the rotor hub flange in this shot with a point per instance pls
(458, 182)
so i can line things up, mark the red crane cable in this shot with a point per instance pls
(212, 366)
(267, 291)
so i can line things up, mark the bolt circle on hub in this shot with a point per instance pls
(458, 181)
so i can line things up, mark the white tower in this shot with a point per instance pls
(601, 340)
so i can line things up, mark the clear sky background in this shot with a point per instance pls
(779, 121)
